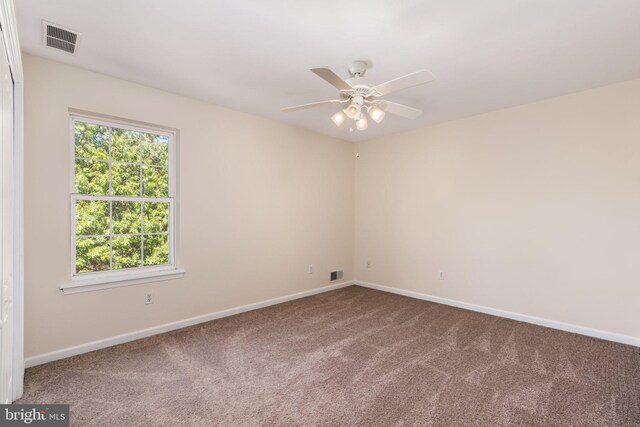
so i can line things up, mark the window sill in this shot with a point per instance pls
(96, 283)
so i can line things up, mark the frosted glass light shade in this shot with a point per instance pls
(362, 124)
(352, 111)
(338, 118)
(376, 114)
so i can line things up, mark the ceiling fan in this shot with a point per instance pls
(358, 95)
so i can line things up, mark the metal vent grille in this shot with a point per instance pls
(61, 44)
(58, 37)
(61, 34)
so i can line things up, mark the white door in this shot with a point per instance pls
(6, 238)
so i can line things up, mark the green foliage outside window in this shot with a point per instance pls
(115, 234)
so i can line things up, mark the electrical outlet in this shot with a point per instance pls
(441, 275)
(310, 269)
(148, 298)
(368, 264)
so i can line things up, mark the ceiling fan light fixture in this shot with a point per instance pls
(352, 111)
(376, 114)
(362, 123)
(338, 118)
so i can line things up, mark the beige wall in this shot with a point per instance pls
(259, 202)
(533, 209)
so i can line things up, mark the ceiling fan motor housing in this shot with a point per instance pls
(357, 82)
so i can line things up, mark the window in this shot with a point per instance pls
(122, 202)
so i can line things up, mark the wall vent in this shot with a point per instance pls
(335, 275)
(59, 37)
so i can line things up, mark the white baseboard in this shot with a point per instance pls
(167, 327)
(136, 335)
(568, 327)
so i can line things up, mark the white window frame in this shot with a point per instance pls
(82, 282)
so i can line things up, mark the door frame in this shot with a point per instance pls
(12, 45)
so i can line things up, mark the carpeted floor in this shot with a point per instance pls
(350, 357)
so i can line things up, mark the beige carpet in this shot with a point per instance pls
(350, 357)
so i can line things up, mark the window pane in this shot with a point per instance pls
(92, 254)
(156, 249)
(92, 177)
(126, 218)
(155, 149)
(125, 179)
(155, 181)
(92, 141)
(126, 252)
(92, 217)
(156, 217)
(125, 146)
(111, 161)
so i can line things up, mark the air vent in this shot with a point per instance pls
(58, 37)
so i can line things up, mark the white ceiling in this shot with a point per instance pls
(255, 55)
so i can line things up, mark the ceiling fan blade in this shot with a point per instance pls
(327, 74)
(404, 82)
(311, 105)
(400, 110)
